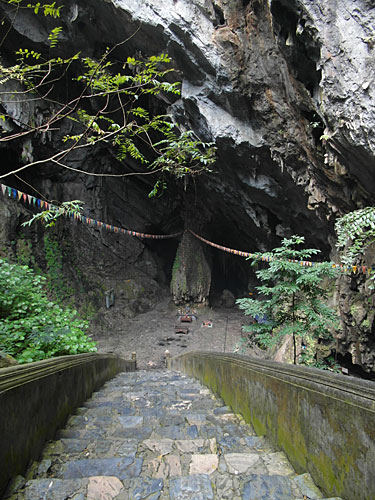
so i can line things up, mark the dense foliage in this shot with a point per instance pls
(292, 298)
(355, 232)
(32, 327)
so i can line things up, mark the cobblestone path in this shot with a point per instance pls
(159, 435)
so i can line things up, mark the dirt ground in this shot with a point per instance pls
(152, 333)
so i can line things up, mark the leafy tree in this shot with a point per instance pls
(32, 327)
(292, 297)
(355, 233)
(107, 103)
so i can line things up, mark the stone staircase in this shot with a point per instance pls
(159, 435)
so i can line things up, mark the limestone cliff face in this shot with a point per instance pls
(286, 90)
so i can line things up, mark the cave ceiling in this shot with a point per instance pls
(284, 88)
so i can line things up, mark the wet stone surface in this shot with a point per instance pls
(159, 435)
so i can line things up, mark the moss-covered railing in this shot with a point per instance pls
(324, 422)
(37, 398)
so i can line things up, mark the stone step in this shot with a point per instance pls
(161, 436)
(197, 486)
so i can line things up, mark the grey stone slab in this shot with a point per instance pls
(171, 431)
(99, 404)
(254, 441)
(122, 468)
(265, 487)
(231, 443)
(307, 487)
(73, 445)
(159, 446)
(196, 418)
(138, 433)
(88, 434)
(51, 489)
(197, 487)
(146, 489)
(192, 432)
(126, 448)
(189, 445)
(126, 410)
(240, 463)
(210, 431)
(131, 421)
(102, 447)
(221, 410)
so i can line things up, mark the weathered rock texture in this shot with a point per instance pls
(191, 273)
(286, 90)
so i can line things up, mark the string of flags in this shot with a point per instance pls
(220, 247)
(44, 205)
(305, 263)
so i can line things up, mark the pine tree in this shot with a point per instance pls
(292, 297)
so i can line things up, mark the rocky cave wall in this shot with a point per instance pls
(285, 88)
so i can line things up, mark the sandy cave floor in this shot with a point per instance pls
(152, 333)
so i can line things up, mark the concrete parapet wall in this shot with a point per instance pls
(37, 398)
(324, 422)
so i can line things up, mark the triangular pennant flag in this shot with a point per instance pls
(364, 269)
(29, 198)
(19, 195)
(3, 188)
(24, 197)
(354, 269)
(9, 190)
(14, 193)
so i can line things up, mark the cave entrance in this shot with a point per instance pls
(229, 272)
(345, 360)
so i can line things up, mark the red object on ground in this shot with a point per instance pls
(186, 319)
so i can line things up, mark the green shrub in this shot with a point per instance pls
(292, 298)
(31, 326)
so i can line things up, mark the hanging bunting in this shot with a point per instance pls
(16, 194)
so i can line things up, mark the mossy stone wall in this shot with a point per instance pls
(37, 398)
(324, 422)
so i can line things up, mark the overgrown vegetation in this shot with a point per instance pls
(32, 327)
(355, 233)
(292, 299)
